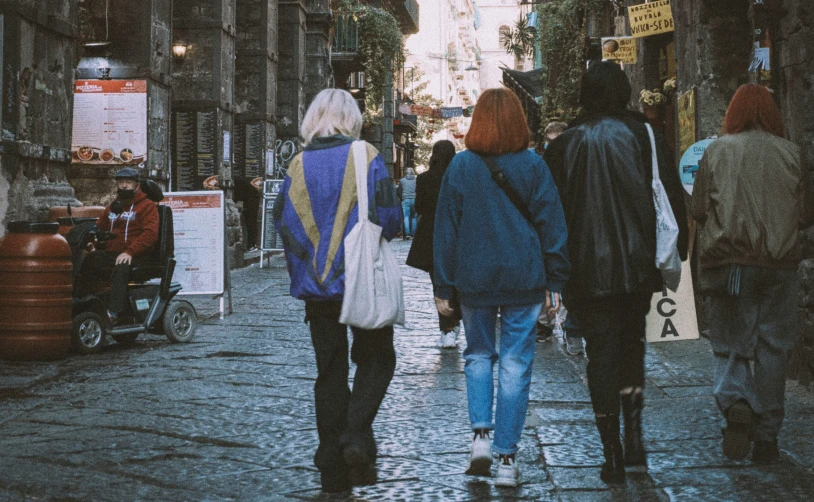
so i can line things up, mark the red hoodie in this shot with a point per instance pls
(136, 228)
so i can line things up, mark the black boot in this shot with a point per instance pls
(613, 470)
(632, 405)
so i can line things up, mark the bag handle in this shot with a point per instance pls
(654, 158)
(359, 152)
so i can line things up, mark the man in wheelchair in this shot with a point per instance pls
(133, 219)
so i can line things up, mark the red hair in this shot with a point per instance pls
(752, 107)
(498, 124)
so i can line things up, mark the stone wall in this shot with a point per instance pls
(796, 66)
(38, 48)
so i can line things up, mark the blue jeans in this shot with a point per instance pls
(517, 331)
(410, 221)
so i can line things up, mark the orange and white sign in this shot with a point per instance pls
(650, 18)
(198, 229)
(109, 122)
(622, 49)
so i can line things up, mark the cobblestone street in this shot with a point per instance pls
(231, 417)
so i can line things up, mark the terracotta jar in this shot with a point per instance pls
(35, 293)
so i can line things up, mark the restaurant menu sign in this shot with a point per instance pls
(198, 229)
(194, 149)
(109, 122)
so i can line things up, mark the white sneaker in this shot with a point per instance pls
(508, 473)
(448, 339)
(480, 458)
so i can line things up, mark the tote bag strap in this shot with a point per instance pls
(359, 152)
(654, 158)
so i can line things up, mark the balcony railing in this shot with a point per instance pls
(346, 35)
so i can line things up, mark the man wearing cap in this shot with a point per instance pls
(133, 218)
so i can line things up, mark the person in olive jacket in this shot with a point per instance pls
(602, 168)
(751, 198)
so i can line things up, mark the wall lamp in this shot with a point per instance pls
(179, 50)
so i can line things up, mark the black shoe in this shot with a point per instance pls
(632, 405)
(544, 332)
(739, 424)
(363, 475)
(613, 470)
(334, 482)
(765, 452)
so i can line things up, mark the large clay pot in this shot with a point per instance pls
(35, 293)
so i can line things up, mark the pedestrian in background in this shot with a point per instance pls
(750, 199)
(315, 209)
(602, 167)
(500, 253)
(406, 193)
(428, 186)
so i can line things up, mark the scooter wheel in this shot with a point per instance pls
(88, 333)
(180, 321)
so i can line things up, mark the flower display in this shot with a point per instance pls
(652, 98)
(669, 85)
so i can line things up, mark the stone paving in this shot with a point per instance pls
(230, 417)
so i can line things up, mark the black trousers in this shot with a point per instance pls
(446, 322)
(345, 416)
(100, 265)
(614, 331)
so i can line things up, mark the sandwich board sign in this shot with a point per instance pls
(672, 315)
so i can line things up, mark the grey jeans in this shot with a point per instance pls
(757, 328)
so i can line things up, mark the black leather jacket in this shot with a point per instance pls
(602, 168)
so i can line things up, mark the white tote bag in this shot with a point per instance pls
(373, 292)
(667, 258)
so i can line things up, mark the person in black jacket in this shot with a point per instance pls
(602, 168)
(428, 185)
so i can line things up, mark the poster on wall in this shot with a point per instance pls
(198, 229)
(650, 18)
(689, 163)
(621, 49)
(686, 121)
(109, 122)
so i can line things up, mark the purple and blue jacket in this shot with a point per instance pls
(317, 207)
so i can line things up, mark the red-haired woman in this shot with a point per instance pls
(750, 195)
(498, 255)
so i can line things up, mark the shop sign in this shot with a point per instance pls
(109, 122)
(650, 18)
(686, 121)
(689, 163)
(621, 49)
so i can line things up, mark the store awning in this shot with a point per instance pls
(531, 82)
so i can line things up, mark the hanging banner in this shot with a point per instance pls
(621, 49)
(650, 18)
(109, 122)
(421, 110)
(689, 163)
(672, 315)
(451, 112)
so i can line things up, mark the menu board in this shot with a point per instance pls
(249, 146)
(198, 229)
(194, 145)
(109, 122)
(270, 240)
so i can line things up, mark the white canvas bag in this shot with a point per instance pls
(667, 258)
(373, 292)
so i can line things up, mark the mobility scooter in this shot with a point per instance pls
(152, 307)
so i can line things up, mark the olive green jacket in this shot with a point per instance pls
(751, 197)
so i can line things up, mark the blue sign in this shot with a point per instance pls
(689, 163)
